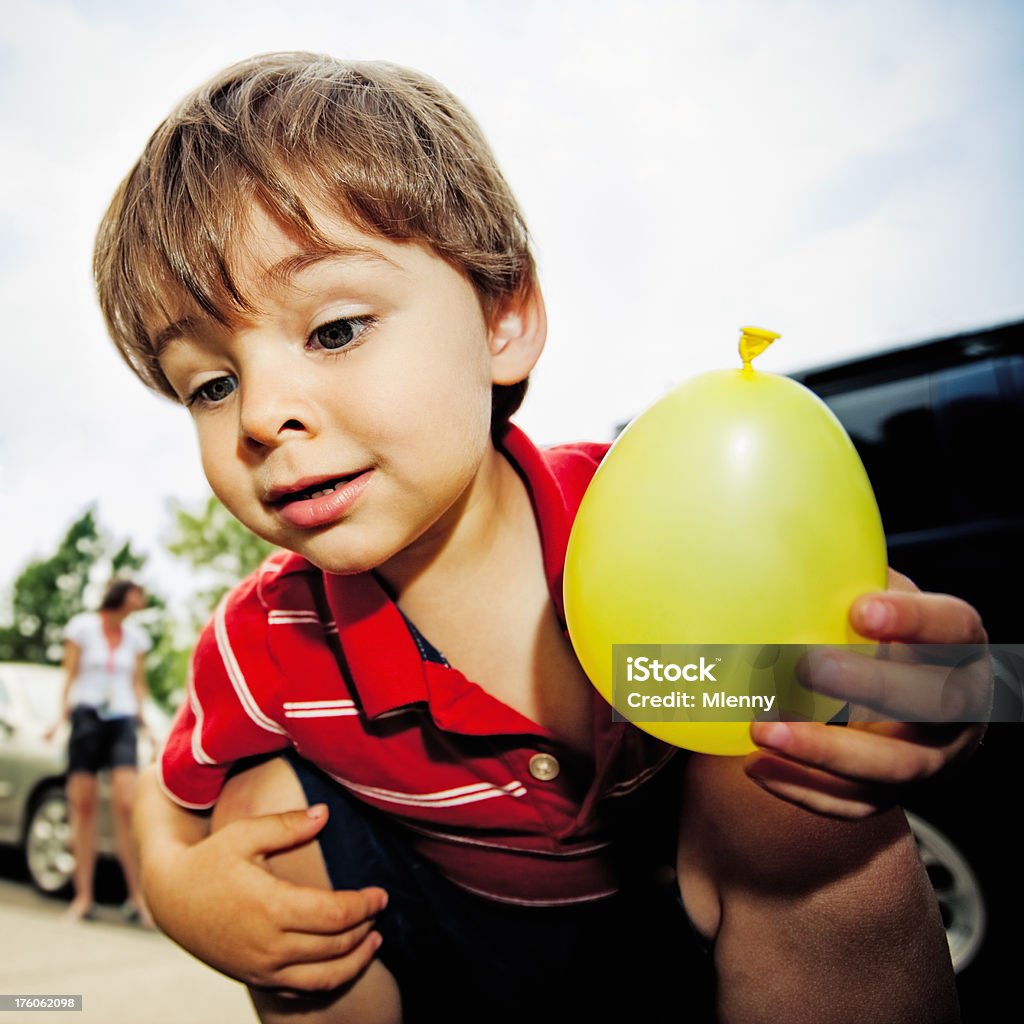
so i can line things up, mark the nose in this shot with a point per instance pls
(274, 408)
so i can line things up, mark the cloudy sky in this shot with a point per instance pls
(848, 174)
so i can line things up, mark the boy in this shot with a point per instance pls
(322, 261)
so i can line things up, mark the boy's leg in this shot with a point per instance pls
(270, 788)
(469, 960)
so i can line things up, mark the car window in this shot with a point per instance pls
(978, 421)
(893, 427)
(934, 444)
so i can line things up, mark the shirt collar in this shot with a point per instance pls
(554, 518)
(384, 663)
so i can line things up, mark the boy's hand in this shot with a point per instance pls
(254, 927)
(858, 770)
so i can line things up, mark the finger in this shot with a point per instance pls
(901, 690)
(329, 974)
(812, 788)
(917, 618)
(897, 581)
(322, 912)
(886, 752)
(308, 948)
(272, 833)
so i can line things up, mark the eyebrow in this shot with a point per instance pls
(285, 269)
(278, 273)
(172, 332)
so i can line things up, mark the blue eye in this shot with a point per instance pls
(339, 334)
(213, 391)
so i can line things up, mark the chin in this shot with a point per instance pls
(339, 563)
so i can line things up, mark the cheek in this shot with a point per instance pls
(219, 465)
(446, 396)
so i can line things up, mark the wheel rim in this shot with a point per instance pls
(48, 845)
(956, 890)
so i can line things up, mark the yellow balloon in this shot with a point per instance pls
(733, 511)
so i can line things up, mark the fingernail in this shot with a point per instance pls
(875, 616)
(382, 902)
(376, 939)
(316, 811)
(773, 735)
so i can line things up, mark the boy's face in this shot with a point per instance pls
(348, 417)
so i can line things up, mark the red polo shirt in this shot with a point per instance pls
(329, 665)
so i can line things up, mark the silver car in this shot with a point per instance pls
(33, 807)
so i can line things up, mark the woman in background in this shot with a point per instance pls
(103, 698)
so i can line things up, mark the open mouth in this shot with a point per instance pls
(318, 490)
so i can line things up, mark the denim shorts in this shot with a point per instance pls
(458, 957)
(97, 743)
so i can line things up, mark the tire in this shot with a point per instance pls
(48, 855)
(956, 889)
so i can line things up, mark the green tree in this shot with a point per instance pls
(221, 552)
(50, 591)
(218, 547)
(167, 663)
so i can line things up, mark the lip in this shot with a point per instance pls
(280, 493)
(308, 513)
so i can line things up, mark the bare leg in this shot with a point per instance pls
(81, 793)
(373, 998)
(123, 781)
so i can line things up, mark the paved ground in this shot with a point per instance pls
(124, 974)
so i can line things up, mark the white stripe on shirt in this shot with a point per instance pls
(198, 754)
(444, 798)
(533, 903)
(245, 697)
(449, 837)
(628, 785)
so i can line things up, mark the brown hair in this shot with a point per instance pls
(384, 146)
(117, 593)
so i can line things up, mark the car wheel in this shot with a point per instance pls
(51, 863)
(956, 889)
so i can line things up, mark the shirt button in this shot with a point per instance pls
(544, 767)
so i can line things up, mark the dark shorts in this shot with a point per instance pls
(458, 957)
(97, 743)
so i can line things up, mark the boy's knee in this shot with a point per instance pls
(269, 787)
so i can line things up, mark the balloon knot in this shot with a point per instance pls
(753, 341)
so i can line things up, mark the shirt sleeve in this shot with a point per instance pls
(231, 705)
(140, 640)
(77, 629)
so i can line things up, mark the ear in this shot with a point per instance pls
(517, 337)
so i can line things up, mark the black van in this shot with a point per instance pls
(939, 426)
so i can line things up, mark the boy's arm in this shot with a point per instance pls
(856, 771)
(814, 920)
(211, 893)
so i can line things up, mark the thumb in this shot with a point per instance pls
(272, 833)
